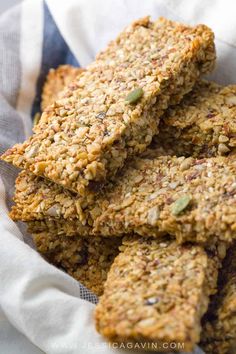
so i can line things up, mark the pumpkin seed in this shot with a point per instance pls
(37, 117)
(180, 204)
(134, 95)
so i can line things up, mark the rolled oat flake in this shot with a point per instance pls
(180, 204)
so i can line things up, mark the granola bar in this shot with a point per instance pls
(156, 292)
(113, 109)
(219, 335)
(39, 199)
(88, 260)
(192, 199)
(56, 82)
(204, 122)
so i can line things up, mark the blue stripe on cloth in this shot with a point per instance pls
(55, 52)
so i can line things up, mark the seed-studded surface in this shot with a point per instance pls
(59, 226)
(157, 291)
(203, 124)
(40, 199)
(189, 198)
(56, 82)
(194, 200)
(88, 135)
(37, 198)
(88, 260)
(219, 335)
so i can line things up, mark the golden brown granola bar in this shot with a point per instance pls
(112, 110)
(156, 292)
(204, 122)
(88, 260)
(192, 199)
(56, 82)
(219, 334)
(39, 199)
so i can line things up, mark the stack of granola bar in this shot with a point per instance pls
(128, 183)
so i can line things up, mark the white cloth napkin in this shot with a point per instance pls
(42, 308)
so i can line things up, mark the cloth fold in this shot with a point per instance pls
(42, 308)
